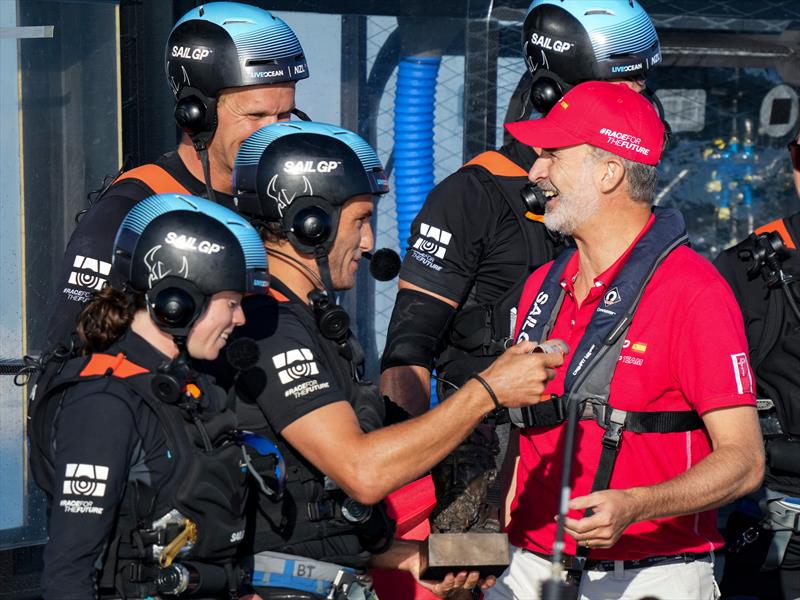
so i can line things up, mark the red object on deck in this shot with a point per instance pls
(410, 507)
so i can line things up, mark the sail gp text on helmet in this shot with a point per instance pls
(550, 44)
(300, 167)
(184, 242)
(198, 53)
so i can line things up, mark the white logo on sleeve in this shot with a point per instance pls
(432, 240)
(295, 364)
(85, 480)
(741, 373)
(93, 272)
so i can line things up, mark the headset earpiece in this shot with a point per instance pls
(312, 226)
(545, 92)
(196, 113)
(310, 222)
(173, 307)
(175, 304)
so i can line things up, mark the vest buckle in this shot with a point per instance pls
(321, 510)
(614, 427)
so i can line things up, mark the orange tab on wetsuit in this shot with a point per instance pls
(502, 166)
(497, 164)
(106, 364)
(779, 226)
(156, 178)
(277, 295)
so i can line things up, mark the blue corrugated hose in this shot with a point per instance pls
(413, 138)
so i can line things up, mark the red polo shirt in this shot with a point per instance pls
(685, 350)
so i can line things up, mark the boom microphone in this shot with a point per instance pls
(242, 353)
(384, 264)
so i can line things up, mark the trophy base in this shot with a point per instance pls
(486, 553)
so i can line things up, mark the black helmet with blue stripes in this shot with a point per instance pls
(226, 44)
(222, 45)
(567, 42)
(180, 250)
(300, 174)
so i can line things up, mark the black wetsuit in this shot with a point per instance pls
(299, 371)
(86, 265)
(114, 459)
(773, 334)
(468, 246)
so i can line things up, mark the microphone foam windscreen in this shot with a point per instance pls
(385, 264)
(242, 353)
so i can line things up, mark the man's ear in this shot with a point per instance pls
(609, 174)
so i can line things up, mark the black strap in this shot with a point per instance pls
(616, 423)
(489, 389)
(663, 422)
(553, 412)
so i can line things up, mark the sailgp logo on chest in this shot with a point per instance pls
(533, 316)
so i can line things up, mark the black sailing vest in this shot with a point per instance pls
(773, 333)
(307, 519)
(593, 361)
(482, 331)
(207, 486)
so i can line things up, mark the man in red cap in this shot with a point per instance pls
(657, 367)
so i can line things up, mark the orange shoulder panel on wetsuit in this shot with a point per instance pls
(780, 226)
(497, 164)
(100, 364)
(156, 178)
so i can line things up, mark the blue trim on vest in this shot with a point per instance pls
(289, 580)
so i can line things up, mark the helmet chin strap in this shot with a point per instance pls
(321, 258)
(203, 152)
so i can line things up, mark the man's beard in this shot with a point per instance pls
(573, 209)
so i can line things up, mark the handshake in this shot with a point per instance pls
(519, 376)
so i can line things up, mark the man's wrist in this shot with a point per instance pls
(639, 503)
(489, 390)
(479, 396)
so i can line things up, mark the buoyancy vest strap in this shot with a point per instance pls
(779, 226)
(156, 178)
(497, 164)
(106, 364)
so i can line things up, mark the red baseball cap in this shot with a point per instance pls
(606, 115)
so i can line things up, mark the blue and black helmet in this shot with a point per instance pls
(567, 42)
(226, 45)
(288, 167)
(193, 247)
